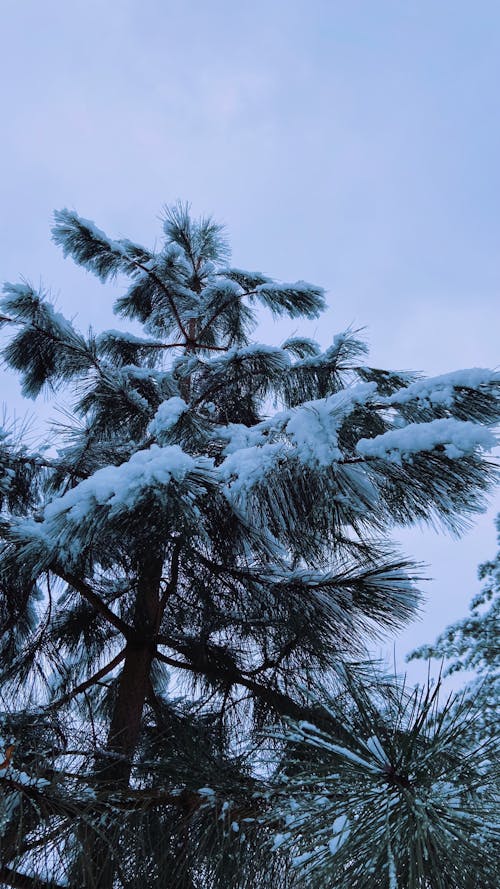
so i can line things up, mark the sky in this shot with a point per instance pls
(352, 144)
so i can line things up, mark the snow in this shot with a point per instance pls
(92, 228)
(340, 830)
(302, 859)
(121, 487)
(302, 345)
(308, 433)
(315, 738)
(308, 726)
(282, 287)
(247, 467)
(27, 780)
(32, 530)
(313, 431)
(166, 417)
(393, 880)
(298, 287)
(223, 289)
(255, 350)
(441, 389)
(134, 372)
(16, 291)
(458, 437)
(240, 436)
(279, 839)
(244, 274)
(374, 746)
(313, 427)
(125, 336)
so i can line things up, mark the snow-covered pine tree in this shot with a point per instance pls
(473, 644)
(208, 543)
(410, 795)
(407, 799)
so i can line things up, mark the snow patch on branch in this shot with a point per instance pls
(166, 417)
(247, 467)
(240, 436)
(121, 487)
(341, 830)
(458, 438)
(124, 336)
(313, 427)
(256, 351)
(441, 389)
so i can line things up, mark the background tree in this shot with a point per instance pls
(413, 788)
(207, 544)
(472, 644)
(407, 798)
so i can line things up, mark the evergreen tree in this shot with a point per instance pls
(473, 644)
(408, 799)
(206, 547)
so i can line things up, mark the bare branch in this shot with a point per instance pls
(88, 682)
(93, 599)
(276, 699)
(22, 881)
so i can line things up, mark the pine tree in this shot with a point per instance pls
(408, 799)
(208, 543)
(473, 644)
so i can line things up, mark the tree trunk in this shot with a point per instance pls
(98, 865)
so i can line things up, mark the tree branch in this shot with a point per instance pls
(60, 341)
(166, 291)
(221, 308)
(42, 463)
(22, 881)
(279, 701)
(194, 345)
(88, 682)
(93, 599)
(198, 345)
(171, 585)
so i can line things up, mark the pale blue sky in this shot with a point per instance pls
(353, 144)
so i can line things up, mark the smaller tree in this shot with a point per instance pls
(409, 795)
(473, 644)
(404, 800)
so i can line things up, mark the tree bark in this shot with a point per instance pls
(114, 766)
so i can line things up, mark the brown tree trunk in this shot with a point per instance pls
(98, 864)
(133, 687)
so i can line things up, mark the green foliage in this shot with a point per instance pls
(402, 800)
(207, 544)
(472, 644)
